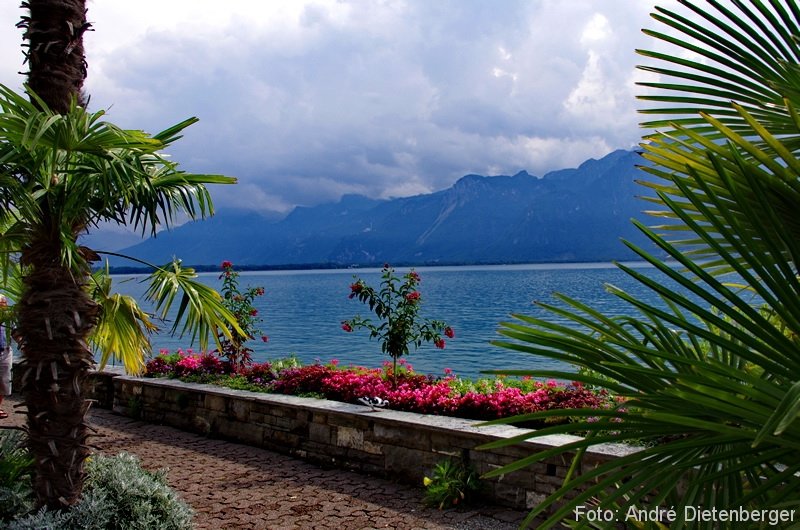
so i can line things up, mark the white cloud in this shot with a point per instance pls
(306, 100)
(598, 29)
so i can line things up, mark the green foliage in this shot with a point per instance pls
(396, 305)
(16, 465)
(240, 303)
(709, 375)
(62, 174)
(124, 327)
(452, 484)
(201, 310)
(118, 494)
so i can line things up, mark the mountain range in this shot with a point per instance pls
(568, 215)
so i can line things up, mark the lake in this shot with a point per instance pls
(302, 311)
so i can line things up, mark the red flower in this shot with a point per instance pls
(264, 338)
(227, 264)
(355, 288)
(448, 331)
(253, 312)
(413, 296)
(347, 327)
(414, 277)
(439, 343)
(260, 291)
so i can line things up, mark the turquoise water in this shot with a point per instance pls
(302, 311)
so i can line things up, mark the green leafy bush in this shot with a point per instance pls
(452, 484)
(396, 306)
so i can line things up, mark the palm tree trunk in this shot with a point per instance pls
(55, 313)
(54, 31)
(55, 316)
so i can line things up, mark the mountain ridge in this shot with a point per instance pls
(576, 214)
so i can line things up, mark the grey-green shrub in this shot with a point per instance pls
(118, 494)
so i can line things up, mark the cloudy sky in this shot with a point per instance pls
(304, 101)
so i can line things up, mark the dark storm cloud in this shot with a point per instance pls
(305, 101)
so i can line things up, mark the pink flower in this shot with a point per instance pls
(448, 371)
(413, 296)
(439, 343)
(448, 331)
(347, 327)
(334, 362)
(227, 264)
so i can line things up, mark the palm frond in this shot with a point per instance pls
(123, 330)
(200, 311)
(709, 375)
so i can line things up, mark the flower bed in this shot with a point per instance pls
(485, 399)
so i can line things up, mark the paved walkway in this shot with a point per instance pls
(233, 486)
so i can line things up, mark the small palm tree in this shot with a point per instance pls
(61, 174)
(708, 378)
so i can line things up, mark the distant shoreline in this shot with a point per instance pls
(340, 266)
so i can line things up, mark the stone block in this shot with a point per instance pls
(320, 433)
(407, 463)
(349, 437)
(446, 443)
(533, 499)
(215, 403)
(239, 409)
(349, 420)
(372, 448)
(401, 436)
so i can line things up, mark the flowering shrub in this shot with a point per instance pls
(241, 305)
(403, 389)
(397, 307)
(258, 373)
(185, 364)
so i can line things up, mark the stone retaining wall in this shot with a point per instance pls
(401, 445)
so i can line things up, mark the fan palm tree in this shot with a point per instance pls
(708, 379)
(63, 171)
(61, 174)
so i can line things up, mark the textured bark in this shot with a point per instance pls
(55, 312)
(54, 34)
(56, 316)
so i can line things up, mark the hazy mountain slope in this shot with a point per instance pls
(568, 215)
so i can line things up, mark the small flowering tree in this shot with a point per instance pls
(234, 349)
(396, 305)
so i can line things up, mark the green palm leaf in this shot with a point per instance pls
(709, 376)
(62, 174)
(200, 311)
(123, 330)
